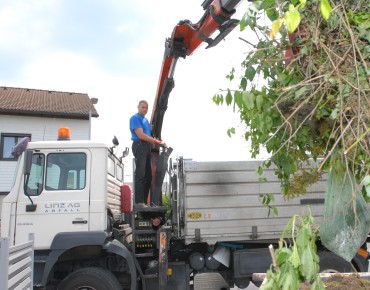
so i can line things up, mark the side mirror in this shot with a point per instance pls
(20, 147)
(28, 162)
(126, 152)
(115, 141)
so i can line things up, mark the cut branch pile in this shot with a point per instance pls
(306, 94)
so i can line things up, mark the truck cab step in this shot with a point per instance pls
(143, 255)
(151, 209)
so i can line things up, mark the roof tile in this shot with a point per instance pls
(43, 102)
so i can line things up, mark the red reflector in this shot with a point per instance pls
(64, 134)
(126, 198)
(156, 222)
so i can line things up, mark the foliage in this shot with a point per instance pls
(166, 202)
(266, 200)
(298, 263)
(304, 95)
(292, 17)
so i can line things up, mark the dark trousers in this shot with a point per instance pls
(143, 170)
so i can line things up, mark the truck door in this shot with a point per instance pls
(58, 185)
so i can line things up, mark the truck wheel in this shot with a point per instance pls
(242, 283)
(331, 263)
(90, 279)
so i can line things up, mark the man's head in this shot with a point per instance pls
(142, 108)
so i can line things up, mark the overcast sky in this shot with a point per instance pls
(112, 50)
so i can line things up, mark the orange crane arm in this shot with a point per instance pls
(185, 39)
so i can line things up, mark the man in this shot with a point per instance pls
(143, 141)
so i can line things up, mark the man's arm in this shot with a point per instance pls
(144, 137)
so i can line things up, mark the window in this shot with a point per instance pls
(111, 166)
(8, 140)
(36, 179)
(119, 172)
(65, 171)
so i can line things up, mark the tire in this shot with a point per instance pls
(331, 263)
(242, 283)
(90, 279)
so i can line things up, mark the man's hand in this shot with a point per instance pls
(160, 143)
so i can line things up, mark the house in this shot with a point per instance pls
(38, 114)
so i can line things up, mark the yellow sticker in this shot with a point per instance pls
(195, 215)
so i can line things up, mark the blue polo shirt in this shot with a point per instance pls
(138, 121)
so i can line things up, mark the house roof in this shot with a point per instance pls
(43, 103)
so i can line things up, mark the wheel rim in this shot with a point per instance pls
(85, 288)
(330, 271)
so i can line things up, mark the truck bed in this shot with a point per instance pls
(222, 202)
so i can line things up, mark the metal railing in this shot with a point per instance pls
(16, 264)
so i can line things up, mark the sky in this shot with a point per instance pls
(112, 50)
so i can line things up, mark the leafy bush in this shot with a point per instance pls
(305, 94)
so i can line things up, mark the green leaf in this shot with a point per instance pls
(260, 170)
(243, 84)
(267, 4)
(366, 183)
(307, 267)
(230, 131)
(248, 99)
(250, 72)
(366, 180)
(272, 14)
(317, 284)
(288, 279)
(229, 98)
(231, 75)
(294, 258)
(300, 92)
(259, 102)
(292, 18)
(302, 239)
(218, 99)
(275, 27)
(238, 99)
(244, 22)
(282, 255)
(325, 9)
(284, 273)
(334, 114)
(270, 284)
(267, 123)
(303, 3)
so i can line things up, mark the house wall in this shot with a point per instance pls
(41, 129)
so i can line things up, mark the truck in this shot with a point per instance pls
(212, 233)
(211, 230)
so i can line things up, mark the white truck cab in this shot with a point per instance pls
(64, 189)
(68, 194)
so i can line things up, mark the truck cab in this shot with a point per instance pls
(66, 189)
(68, 193)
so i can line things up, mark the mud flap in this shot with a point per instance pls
(119, 249)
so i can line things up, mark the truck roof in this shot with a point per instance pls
(66, 144)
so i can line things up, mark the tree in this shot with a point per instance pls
(303, 92)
